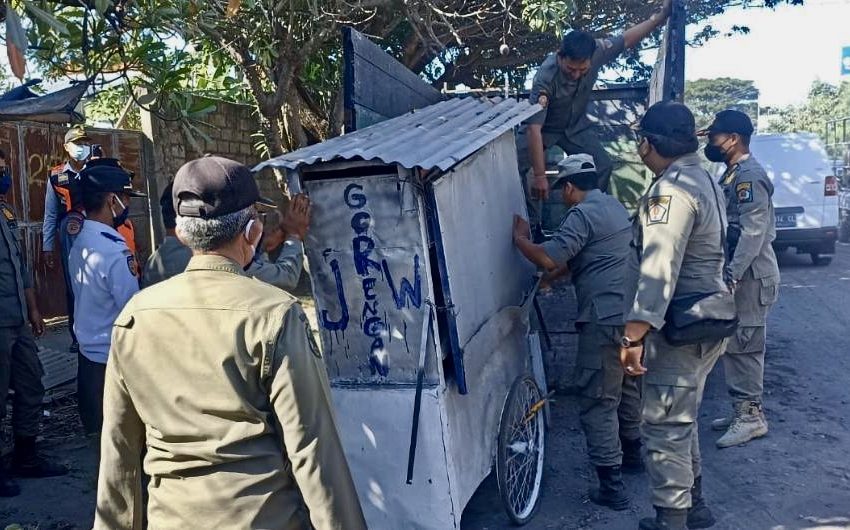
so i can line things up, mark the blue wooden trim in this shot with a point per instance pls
(446, 317)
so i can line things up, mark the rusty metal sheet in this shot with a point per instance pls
(33, 149)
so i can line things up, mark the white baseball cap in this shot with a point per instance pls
(574, 165)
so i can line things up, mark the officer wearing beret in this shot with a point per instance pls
(216, 375)
(679, 233)
(103, 277)
(752, 272)
(594, 243)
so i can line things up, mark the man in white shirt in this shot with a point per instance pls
(103, 277)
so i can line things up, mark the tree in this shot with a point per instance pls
(283, 56)
(825, 102)
(707, 97)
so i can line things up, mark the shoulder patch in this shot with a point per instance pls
(131, 264)
(744, 191)
(10, 217)
(605, 44)
(311, 340)
(74, 226)
(658, 209)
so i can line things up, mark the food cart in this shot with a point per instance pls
(422, 304)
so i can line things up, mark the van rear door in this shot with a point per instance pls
(798, 165)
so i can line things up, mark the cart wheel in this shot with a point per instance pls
(521, 445)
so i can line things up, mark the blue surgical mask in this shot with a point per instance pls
(5, 180)
(79, 152)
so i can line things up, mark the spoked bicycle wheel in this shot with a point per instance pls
(520, 451)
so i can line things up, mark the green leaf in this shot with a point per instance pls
(47, 18)
(102, 5)
(147, 99)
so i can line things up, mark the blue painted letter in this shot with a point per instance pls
(405, 290)
(363, 246)
(354, 200)
(342, 323)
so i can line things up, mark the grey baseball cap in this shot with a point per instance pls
(572, 166)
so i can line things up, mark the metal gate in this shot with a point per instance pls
(31, 150)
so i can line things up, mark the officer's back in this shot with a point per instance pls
(218, 376)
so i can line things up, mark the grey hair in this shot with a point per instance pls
(210, 234)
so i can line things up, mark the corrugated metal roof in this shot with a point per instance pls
(438, 136)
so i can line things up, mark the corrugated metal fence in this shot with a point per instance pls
(32, 149)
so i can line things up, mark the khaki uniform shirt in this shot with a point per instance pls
(568, 99)
(170, 259)
(285, 271)
(216, 375)
(595, 240)
(679, 234)
(752, 221)
(14, 275)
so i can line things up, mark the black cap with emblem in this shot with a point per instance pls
(214, 186)
(730, 122)
(671, 120)
(107, 175)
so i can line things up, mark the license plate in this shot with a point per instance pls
(786, 220)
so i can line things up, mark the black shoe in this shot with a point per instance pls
(27, 462)
(699, 516)
(612, 491)
(74, 347)
(632, 457)
(665, 519)
(8, 487)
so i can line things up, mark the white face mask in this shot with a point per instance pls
(79, 152)
(254, 243)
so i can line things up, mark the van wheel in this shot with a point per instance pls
(820, 261)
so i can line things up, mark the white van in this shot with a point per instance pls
(806, 193)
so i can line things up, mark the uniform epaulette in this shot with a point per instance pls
(112, 237)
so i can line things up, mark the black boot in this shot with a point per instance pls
(8, 487)
(699, 516)
(665, 519)
(612, 491)
(27, 462)
(632, 458)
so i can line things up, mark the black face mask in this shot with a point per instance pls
(715, 153)
(5, 181)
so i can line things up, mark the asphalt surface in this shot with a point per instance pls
(797, 477)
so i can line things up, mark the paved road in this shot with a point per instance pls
(798, 477)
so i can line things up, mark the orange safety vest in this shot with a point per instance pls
(66, 186)
(128, 232)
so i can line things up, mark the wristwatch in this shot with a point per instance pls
(626, 342)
